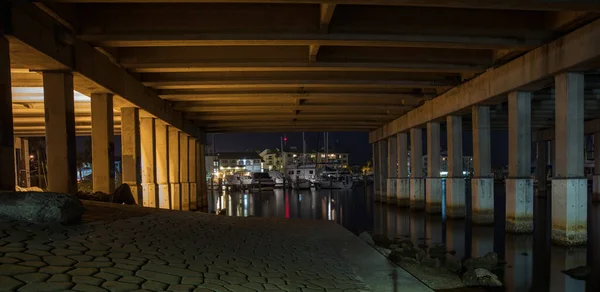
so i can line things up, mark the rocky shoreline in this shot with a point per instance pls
(432, 266)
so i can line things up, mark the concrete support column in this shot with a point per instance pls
(569, 186)
(174, 159)
(103, 143)
(417, 182)
(519, 185)
(7, 151)
(60, 132)
(403, 183)
(541, 169)
(596, 177)
(131, 156)
(392, 169)
(148, 141)
(184, 174)
(202, 176)
(376, 172)
(455, 183)
(192, 175)
(433, 198)
(482, 184)
(383, 168)
(17, 159)
(162, 164)
(24, 173)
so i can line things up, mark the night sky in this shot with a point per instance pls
(354, 143)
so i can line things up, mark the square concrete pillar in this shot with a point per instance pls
(24, 172)
(131, 156)
(455, 183)
(569, 186)
(403, 182)
(174, 159)
(7, 151)
(596, 177)
(192, 175)
(103, 143)
(184, 173)
(17, 160)
(392, 169)
(383, 168)
(202, 176)
(433, 182)
(482, 184)
(519, 185)
(541, 168)
(162, 165)
(376, 172)
(417, 182)
(148, 141)
(60, 132)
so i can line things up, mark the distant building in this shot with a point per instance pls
(271, 158)
(276, 160)
(232, 162)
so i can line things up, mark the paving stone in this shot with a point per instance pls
(87, 280)
(65, 252)
(60, 261)
(192, 280)
(203, 290)
(22, 256)
(127, 267)
(5, 250)
(96, 253)
(211, 287)
(158, 276)
(9, 283)
(255, 286)
(88, 288)
(118, 255)
(233, 280)
(46, 286)
(32, 277)
(83, 271)
(107, 276)
(117, 271)
(12, 270)
(181, 288)
(7, 260)
(54, 270)
(35, 264)
(238, 288)
(82, 258)
(97, 265)
(36, 252)
(60, 278)
(102, 259)
(171, 270)
(132, 279)
(115, 286)
(154, 286)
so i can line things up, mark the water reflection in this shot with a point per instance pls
(532, 263)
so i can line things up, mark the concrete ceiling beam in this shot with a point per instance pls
(30, 27)
(578, 51)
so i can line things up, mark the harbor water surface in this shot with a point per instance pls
(532, 262)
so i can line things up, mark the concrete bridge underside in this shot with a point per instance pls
(159, 70)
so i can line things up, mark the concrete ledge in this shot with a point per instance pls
(41, 207)
(417, 194)
(482, 194)
(569, 211)
(455, 198)
(403, 193)
(519, 205)
(433, 195)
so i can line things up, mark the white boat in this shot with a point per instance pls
(262, 181)
(278, 178)
(233, 180)
(301, 184)
(335, 182)
(305, 172)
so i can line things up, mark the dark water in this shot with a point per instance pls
(532, 263)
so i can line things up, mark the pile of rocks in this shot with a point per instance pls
(473, 272)
(122, 195)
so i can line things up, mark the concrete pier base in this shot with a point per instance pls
(175, 190)
(482, 195)
(149, 192)
(185, 196)
(519, 205)
(193, 196)
(403, 192)
(455, 198)
(433, 197)
(390, 196)
(596, 188)
(569, 211)
(163, 196)
(417, 194)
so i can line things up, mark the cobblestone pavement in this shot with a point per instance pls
(125, 248)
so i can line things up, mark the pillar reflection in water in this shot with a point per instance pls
(519, 257)
(417, 227)
(564, 259)
(433, 230)
(455, 238)
(403, 222)
(482, 240)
